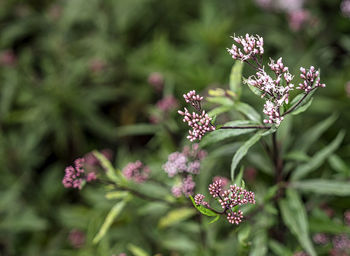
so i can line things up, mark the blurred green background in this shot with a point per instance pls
(74, 76)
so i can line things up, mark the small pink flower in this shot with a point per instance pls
(156, 80)
(8, 58)
(76, 238)
(97, 65)
(297, 18)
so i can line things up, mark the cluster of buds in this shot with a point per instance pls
(194, 99)
(311, 79)
(137, 171)
(75, 177)
(199, 122)
(252, 46)
(228, 199)
(185, 164)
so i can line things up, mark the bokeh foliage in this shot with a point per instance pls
(80, 77)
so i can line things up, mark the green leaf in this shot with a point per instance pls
(137, 129)
(117, 194)
(318, 159)
(297, 156)
(303, 108)
(176, 216)
(215, 219)
(255, 90)
(238, 181)
(223, 134)
(113, 213)
(219, 110)
(242, 151)
(323, 187)
(202, 209)
(294, 216)
(222, 100)
(339, 165)
(310, 136)
(279, 249)
(243, 234)
(107, 166)
(259, 243)
(235, 78)
(248, 111)
(331, 227)
(137, 251)
(306, 101)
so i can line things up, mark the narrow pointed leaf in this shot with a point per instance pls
(242, 151)
(318, 159)
(323, 187)
(295, 218)
(235, 78)
(114, 212)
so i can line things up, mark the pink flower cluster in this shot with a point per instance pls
(185, 188)
(75, 176)
(252, 46)
(136, 171)
(311, 79)
(186, 164)
(228, 199)
(200, 124)
(167, 103)
(276, 89)
(187, 161)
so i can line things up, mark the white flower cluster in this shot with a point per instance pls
(251, 46)
(277, 90)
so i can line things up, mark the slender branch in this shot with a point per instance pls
(298, 103)
(245, 127)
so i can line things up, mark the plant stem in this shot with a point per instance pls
(298, 103)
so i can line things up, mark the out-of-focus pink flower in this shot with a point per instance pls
(347, 89)
(136, 171)
(55, 11)
(224, 181)
(347, 217)
(97, 65)
(264, 4)
(8, 58)
(76, 238)
(91, 160)
(250, 174)
(167, 103)
(156, 79)
(298, 18)
(320, 238)
(177, 190)
(345, 8)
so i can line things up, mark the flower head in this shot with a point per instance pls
(75, 176)
(136, 171)
(228, 199)
(250, 47)
(311, 79)
(200, 124)
(76, 238)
